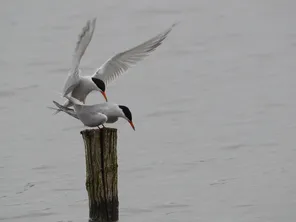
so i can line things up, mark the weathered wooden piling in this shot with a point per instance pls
(101, 173)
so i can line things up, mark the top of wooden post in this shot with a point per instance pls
(97, 130)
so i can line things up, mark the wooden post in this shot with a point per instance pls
(101, 173)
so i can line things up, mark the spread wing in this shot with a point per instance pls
(119, 63)
(83, 41)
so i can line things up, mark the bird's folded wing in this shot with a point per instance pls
(67, 110)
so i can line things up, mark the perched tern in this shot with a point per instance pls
(98, 114)
(80, 86)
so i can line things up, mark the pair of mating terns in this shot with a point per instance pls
(80, 86)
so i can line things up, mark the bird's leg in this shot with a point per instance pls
(101, 127)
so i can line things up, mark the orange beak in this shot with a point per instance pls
(132, 125)
(104, 94)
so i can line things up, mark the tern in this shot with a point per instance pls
(80, 86)
(98, 114)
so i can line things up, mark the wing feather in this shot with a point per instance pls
(121, 62)
(84, 39)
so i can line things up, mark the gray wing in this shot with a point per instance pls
(85, 109)
(96, 108)
(83, 41)
(67, 110)
(119, 63)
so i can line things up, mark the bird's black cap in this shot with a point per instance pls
(126, 112)
(99, 83)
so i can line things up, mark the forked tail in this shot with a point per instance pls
(67, 110)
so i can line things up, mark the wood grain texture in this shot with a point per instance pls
(101, 173)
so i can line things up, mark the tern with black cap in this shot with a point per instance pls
(98, 114)
(80, 86)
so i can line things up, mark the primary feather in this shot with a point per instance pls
(67, 110)
(119, 63)
(81, 45)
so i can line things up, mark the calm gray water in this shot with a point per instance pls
(214, 108)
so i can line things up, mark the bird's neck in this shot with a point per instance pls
(114, 110)
(87, 82)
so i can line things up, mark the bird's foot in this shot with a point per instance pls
(101, 127)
